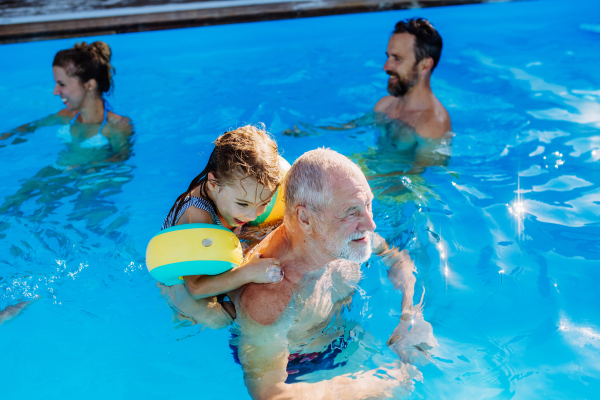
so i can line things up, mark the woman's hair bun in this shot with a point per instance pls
(102, 49)
(98, 49)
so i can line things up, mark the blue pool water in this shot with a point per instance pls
(505, 234)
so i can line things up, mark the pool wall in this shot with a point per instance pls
(39, 22)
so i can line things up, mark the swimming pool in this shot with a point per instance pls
(520, 195)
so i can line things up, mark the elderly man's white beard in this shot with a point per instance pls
(350, 251)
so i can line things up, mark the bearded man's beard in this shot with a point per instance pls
(403, 84)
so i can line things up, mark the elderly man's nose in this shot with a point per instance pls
(368, 224)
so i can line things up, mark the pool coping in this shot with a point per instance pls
(184, 15)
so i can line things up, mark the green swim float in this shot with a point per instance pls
(192, 249)
(276, 207)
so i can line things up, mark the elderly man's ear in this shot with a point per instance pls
(305, 219)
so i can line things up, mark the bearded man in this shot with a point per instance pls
(413, 52)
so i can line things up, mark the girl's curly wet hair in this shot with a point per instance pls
(246, 152)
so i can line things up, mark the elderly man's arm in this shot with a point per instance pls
(264, 353)
(400, 273)
(413, 337)
(264, 357)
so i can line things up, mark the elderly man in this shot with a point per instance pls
(413, 52)
(327, 231)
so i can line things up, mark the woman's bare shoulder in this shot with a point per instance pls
(119, 123)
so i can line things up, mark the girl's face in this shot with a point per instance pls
(70, 89)
(240, 202)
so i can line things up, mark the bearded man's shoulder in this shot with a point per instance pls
(383, 103)
(265, 303)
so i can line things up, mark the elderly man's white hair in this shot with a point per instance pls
(309, 182)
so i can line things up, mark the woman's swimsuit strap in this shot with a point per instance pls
(197, 202)
(71, 122)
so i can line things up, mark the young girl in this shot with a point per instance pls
(236, 186)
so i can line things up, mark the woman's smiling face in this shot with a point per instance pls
(70, 89)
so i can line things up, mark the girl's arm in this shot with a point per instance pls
(253, 271)
(202, 286)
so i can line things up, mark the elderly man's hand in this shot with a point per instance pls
(379, 245)
(413, 339)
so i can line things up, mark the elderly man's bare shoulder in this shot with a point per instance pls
(264, 303)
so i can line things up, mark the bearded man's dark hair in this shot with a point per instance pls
(428, 42)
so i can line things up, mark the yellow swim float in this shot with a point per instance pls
(276, 206)
(192, 249)
(203, 249)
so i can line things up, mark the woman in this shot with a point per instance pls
(83, 74)
(95, 137)
(89, 169)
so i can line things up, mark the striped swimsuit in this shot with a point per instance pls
(197, 202)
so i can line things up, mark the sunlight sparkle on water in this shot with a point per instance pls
(517, 208)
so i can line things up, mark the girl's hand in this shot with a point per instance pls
(262, 270)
